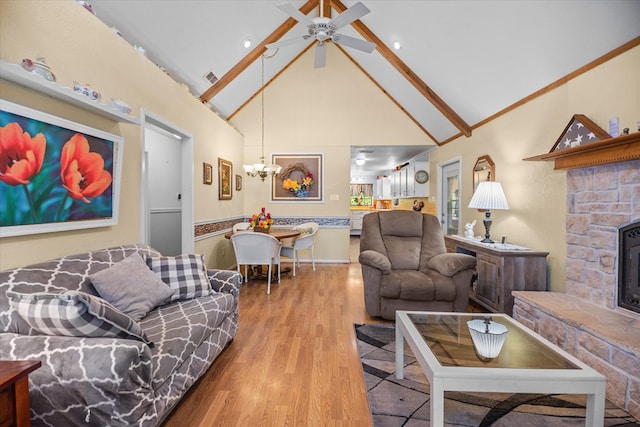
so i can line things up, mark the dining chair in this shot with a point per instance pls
(290, 249)
(256, 249)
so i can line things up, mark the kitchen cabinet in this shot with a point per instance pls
(395, 184)
(501, 269)
(403, 181)
(356, 221)
(383, 188)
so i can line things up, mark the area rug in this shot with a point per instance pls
(405, 402)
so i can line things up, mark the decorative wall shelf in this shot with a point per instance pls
(14, 73)
(619, 149)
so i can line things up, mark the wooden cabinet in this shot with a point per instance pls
(14, 392)
(500, 270)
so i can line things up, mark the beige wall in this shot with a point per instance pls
(80, 47)
(535, 191)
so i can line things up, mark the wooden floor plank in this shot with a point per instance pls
(293, 362)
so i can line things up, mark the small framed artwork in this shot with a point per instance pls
(300, 180)
(207, 173)
(225, 172)
(238, 182)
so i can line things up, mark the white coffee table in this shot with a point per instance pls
(527, 363)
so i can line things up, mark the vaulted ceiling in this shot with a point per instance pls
(459, 62)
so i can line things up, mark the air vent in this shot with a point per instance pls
(211, 77)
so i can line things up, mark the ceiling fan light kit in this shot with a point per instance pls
(322, 29)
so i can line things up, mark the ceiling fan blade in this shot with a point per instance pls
(320, 55)
(353, 42)
(355, 12)
(287, 42)
(291, 10)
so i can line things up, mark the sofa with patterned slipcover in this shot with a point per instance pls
(122, 333)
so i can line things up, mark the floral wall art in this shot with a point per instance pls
(300, 180)
(55, 174)
(225, 172)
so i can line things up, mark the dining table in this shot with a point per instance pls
(278, 233)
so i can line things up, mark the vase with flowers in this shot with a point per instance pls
(261, 222)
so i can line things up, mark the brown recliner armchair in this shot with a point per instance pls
(405, 265)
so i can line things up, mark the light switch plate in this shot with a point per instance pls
(334, 197)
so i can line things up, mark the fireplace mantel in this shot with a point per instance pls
(613, 150)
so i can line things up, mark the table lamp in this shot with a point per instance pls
(488, 196)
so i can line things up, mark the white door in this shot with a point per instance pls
(163, 152)
(450, 197)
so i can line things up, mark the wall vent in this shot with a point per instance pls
(211, 77)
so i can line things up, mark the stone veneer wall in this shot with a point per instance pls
(585, 321)
(600, 200)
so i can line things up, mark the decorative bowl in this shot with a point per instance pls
(487, 341)
(38, 67)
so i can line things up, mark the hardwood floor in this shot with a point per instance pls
(294, 361)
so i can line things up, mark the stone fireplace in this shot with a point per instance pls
(601, 200)
(587, 320)
(629, 267)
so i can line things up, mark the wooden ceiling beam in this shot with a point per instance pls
(326, 12)
(408, 74)
(245, 62)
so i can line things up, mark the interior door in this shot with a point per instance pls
(450, 198)
(165, 198)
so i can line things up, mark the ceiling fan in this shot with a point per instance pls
(323, 29)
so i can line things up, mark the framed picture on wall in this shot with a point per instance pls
(207, 173)
(238, 182)
(225, 172)
(300, 180)
(63, 175)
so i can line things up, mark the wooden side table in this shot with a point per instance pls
(14, 392)
(500, 271)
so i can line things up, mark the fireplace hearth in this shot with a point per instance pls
(629, 267)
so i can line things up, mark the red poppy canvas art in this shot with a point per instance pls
(55, 174)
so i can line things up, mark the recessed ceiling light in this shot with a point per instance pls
(246, 42)
(397, 45)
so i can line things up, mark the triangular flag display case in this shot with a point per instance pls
(583, 144)
(580, 131)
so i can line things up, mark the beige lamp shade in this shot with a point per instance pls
(489, 196)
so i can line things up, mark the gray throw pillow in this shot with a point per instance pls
(131, 287)
(75, 314)
(186, 274)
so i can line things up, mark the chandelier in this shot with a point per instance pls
(261, 169)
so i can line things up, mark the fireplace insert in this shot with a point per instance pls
(628, 267)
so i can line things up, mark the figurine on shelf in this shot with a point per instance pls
(417, 206)
(87, 91)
